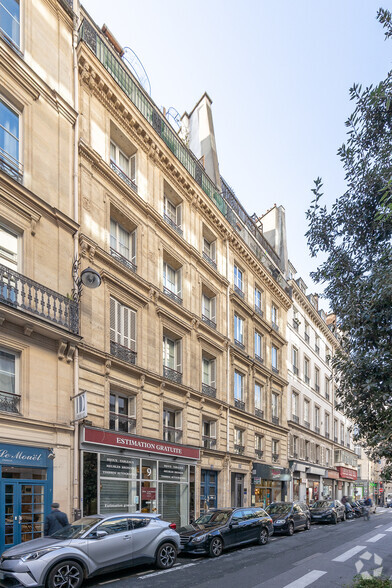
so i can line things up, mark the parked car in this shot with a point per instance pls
(289, 516)
(90, 546)
(389, 500)
(329, 511)
(221, 528)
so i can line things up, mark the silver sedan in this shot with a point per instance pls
(90, 546)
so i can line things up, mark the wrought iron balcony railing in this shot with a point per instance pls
(122, 352)
(238, 291)
(317, 388)
(275, 326)
(208, 390)
(123, 175)
(239, 403)
(239, 344)
(209, 260)
(317, 430)
(275, 369)
(9, 402)
(307, 380)
(335, 439)
(275, 420)
(295, 324)
(120, 422)
(259, 453)
(240, 449)
(209, 443)
(295, 370)
(11, 166)
(172, 435)
(307, 424)
(258, 310)
(208, 321)
(172, 224)
(275, 457)
(172, 375)
(172, 295)
(326, 435)
(22, 293)
(123, 260)
(295, 418)
(307, 338)
(259, 413)
(259, 358)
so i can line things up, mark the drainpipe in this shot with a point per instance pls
(228, 366)
(76, 20)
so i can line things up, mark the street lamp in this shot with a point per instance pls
(89, 277)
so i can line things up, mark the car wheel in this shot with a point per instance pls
(290, 530)
(216, 547)
(166, 556)
(307, 526)
(65, 574)
(263, 537)
(335, 519)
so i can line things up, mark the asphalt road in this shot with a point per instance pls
(326, 556)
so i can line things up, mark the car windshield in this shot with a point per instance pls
(217, 517)
(76, 529)
(322, 504)
(278, 508)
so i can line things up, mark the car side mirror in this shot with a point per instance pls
(98, 534)
(234, 524)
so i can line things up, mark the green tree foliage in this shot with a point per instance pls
(355, 236)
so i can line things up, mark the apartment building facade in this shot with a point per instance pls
(38, 317)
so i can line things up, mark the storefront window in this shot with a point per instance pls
(23, 473)
(90, 483)
(119, 486)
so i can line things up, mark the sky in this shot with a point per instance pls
(278, 74)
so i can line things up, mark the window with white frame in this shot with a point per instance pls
(307, 336)
(306, 371)
(239, 440)
(123, 162)
(294, 354)
(172, 213)
(9, 381)
(258, 345)
(9, 139)
(342, 433)
(318, 454)
(335, 430)
(275, 449)
(238, 279)
(317, 379)
(327, 457)
(274, 315)
(172, 425)
(326, 423)
(317, 344)
(327, 355)
(258, 299)
(317, 419)
(258, 397)
(122, 413)
(294, 406)
(239, 386)
(8, 248)
(274, 357)
(209, 249)
(123, 241)
(258, 445)
(307, 450)
(10, 20)
(238, 329)
(327, 388)
(208, 308)
(275, 405)
(172, 354)
(172, 280)
(306, 411)
(122, 324)
(209, 372)
(209, 433)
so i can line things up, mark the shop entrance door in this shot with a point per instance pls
(23, 516)
(237, 490)
(208, 490)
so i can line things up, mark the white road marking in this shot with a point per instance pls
(108, 582)
(377, 526)
(306, 579)
(376, 538)
(390, 529)
(173, 569)
(350, 553)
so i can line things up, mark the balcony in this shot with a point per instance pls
(239, 404)
(307, 380)
(326, 435)
(239, 344)
(238, 291)
(208, 390)
(172, 375)
(275, 457)
(172, 435)
(317, 430)
(21, 293)
(259, 358)
(259, 453)
(275, 327)
(307, 424)
(317, 388)
(209, 260)
(295, 418)
(275, 369)
(317, 349)
(172, 224)
(275, 420)
(307, 338)
(172, 295)
(120, 422)
(259, 311)
(208, 321)
(122, 352)
(295, 370)
(123, 175)
(123, 260)
(209, 442)
(9, 402)
(12, 167)
(239, 449)
(259, 413)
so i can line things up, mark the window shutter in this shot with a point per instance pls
(179, 215)
(178, 356)
(113, 315)
(133, 248)
(126, 326)
(132, 317)
(213, 373)
(132, 168)
(113, 234)
(302, 448)
(291, 445)
(213, 250)
(178, 283)
(312, 451)
(213, 309)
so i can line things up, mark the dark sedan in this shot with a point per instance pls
(221, 528)
(327, 511)
(289, 516)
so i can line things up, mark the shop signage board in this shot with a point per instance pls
(175, 472)
(347, 473)
(114, 466)
(149, 493)
(333, 475)
(123, 441)
(19, 455)
(267, 472)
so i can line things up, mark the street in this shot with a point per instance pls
(325, 556)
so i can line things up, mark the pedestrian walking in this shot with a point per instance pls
(368, 505)
(344, 499)
(55, 521)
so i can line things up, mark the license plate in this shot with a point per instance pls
(316, 516)
(2, 575)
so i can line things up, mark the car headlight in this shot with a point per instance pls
(199, 539)
(35, 554)
(280, 522)
(328, 512)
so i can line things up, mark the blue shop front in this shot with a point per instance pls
(26, 493)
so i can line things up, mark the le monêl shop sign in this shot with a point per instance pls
(113, 439)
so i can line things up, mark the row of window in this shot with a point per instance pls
(311, 337)
(314, 382)
(300, 448)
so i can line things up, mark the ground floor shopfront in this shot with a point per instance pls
(269, 484)
(309, 483)
(26, 492)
